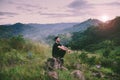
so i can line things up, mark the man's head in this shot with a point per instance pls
(57, 39)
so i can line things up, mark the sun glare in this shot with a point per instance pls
(104, 18)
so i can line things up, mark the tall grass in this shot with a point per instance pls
(23, 61)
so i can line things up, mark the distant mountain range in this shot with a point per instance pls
(33, 31)
(106, 36)
(41, 31)
(84, 25)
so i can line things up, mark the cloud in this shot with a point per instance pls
(107, 4)
(23, 8)
(1, 0)
(55, 14)
(26, 5)
(80, 8)
(2, 18)
(8, 13)
(22, 4)
(114, 4)
(86, 8)
(46, 11)
(29, 5)
(79, 4)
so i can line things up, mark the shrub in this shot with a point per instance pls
(83, 56)
(11, 58)
(115, 66)
(106, 53)
(17, 42)
(106, 62)
(91, 60)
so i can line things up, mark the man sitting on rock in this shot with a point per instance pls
(58, 53)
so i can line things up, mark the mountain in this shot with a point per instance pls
(42, 31)
(110, 29)
(11, 30)
(33, 31)
(98, 37)
(84, 25)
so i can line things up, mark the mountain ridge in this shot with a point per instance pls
(84, 25)
(37, 31)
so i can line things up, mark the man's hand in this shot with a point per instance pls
(65, 49)
(69, 51)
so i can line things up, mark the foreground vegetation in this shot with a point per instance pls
(103, 41)
(21, 59)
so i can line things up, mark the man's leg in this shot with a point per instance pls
(62, 54)
(61, 61)
(62, 64)
(56, 63)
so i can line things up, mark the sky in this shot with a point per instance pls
(56, 11)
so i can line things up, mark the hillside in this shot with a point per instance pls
(21, 59)
(33, 31)
(103, 40)
(96, 35)
(42, 31)
(11, 30)
(84, 25)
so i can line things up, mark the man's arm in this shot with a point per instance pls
(64, 48)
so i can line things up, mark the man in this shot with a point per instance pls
(59, 51)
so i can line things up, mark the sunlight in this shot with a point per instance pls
(104, 18)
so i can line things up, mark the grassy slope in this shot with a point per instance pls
(27, 62)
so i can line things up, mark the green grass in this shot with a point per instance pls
(65, 75)
(27, 62)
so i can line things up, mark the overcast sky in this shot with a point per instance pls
(56, 11)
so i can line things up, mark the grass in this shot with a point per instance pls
(27, 62)
(65, 75)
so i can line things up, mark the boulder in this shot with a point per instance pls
(54, 64)
(97, 74)
(78, 74)
(77, 66)
(52, 75)
(49, 65)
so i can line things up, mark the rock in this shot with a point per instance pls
(98, 66)
(78, 74)
(63, 68)
(54, 64)
(77, 66)
(49, 64)
(53, 75)
(97, 74)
